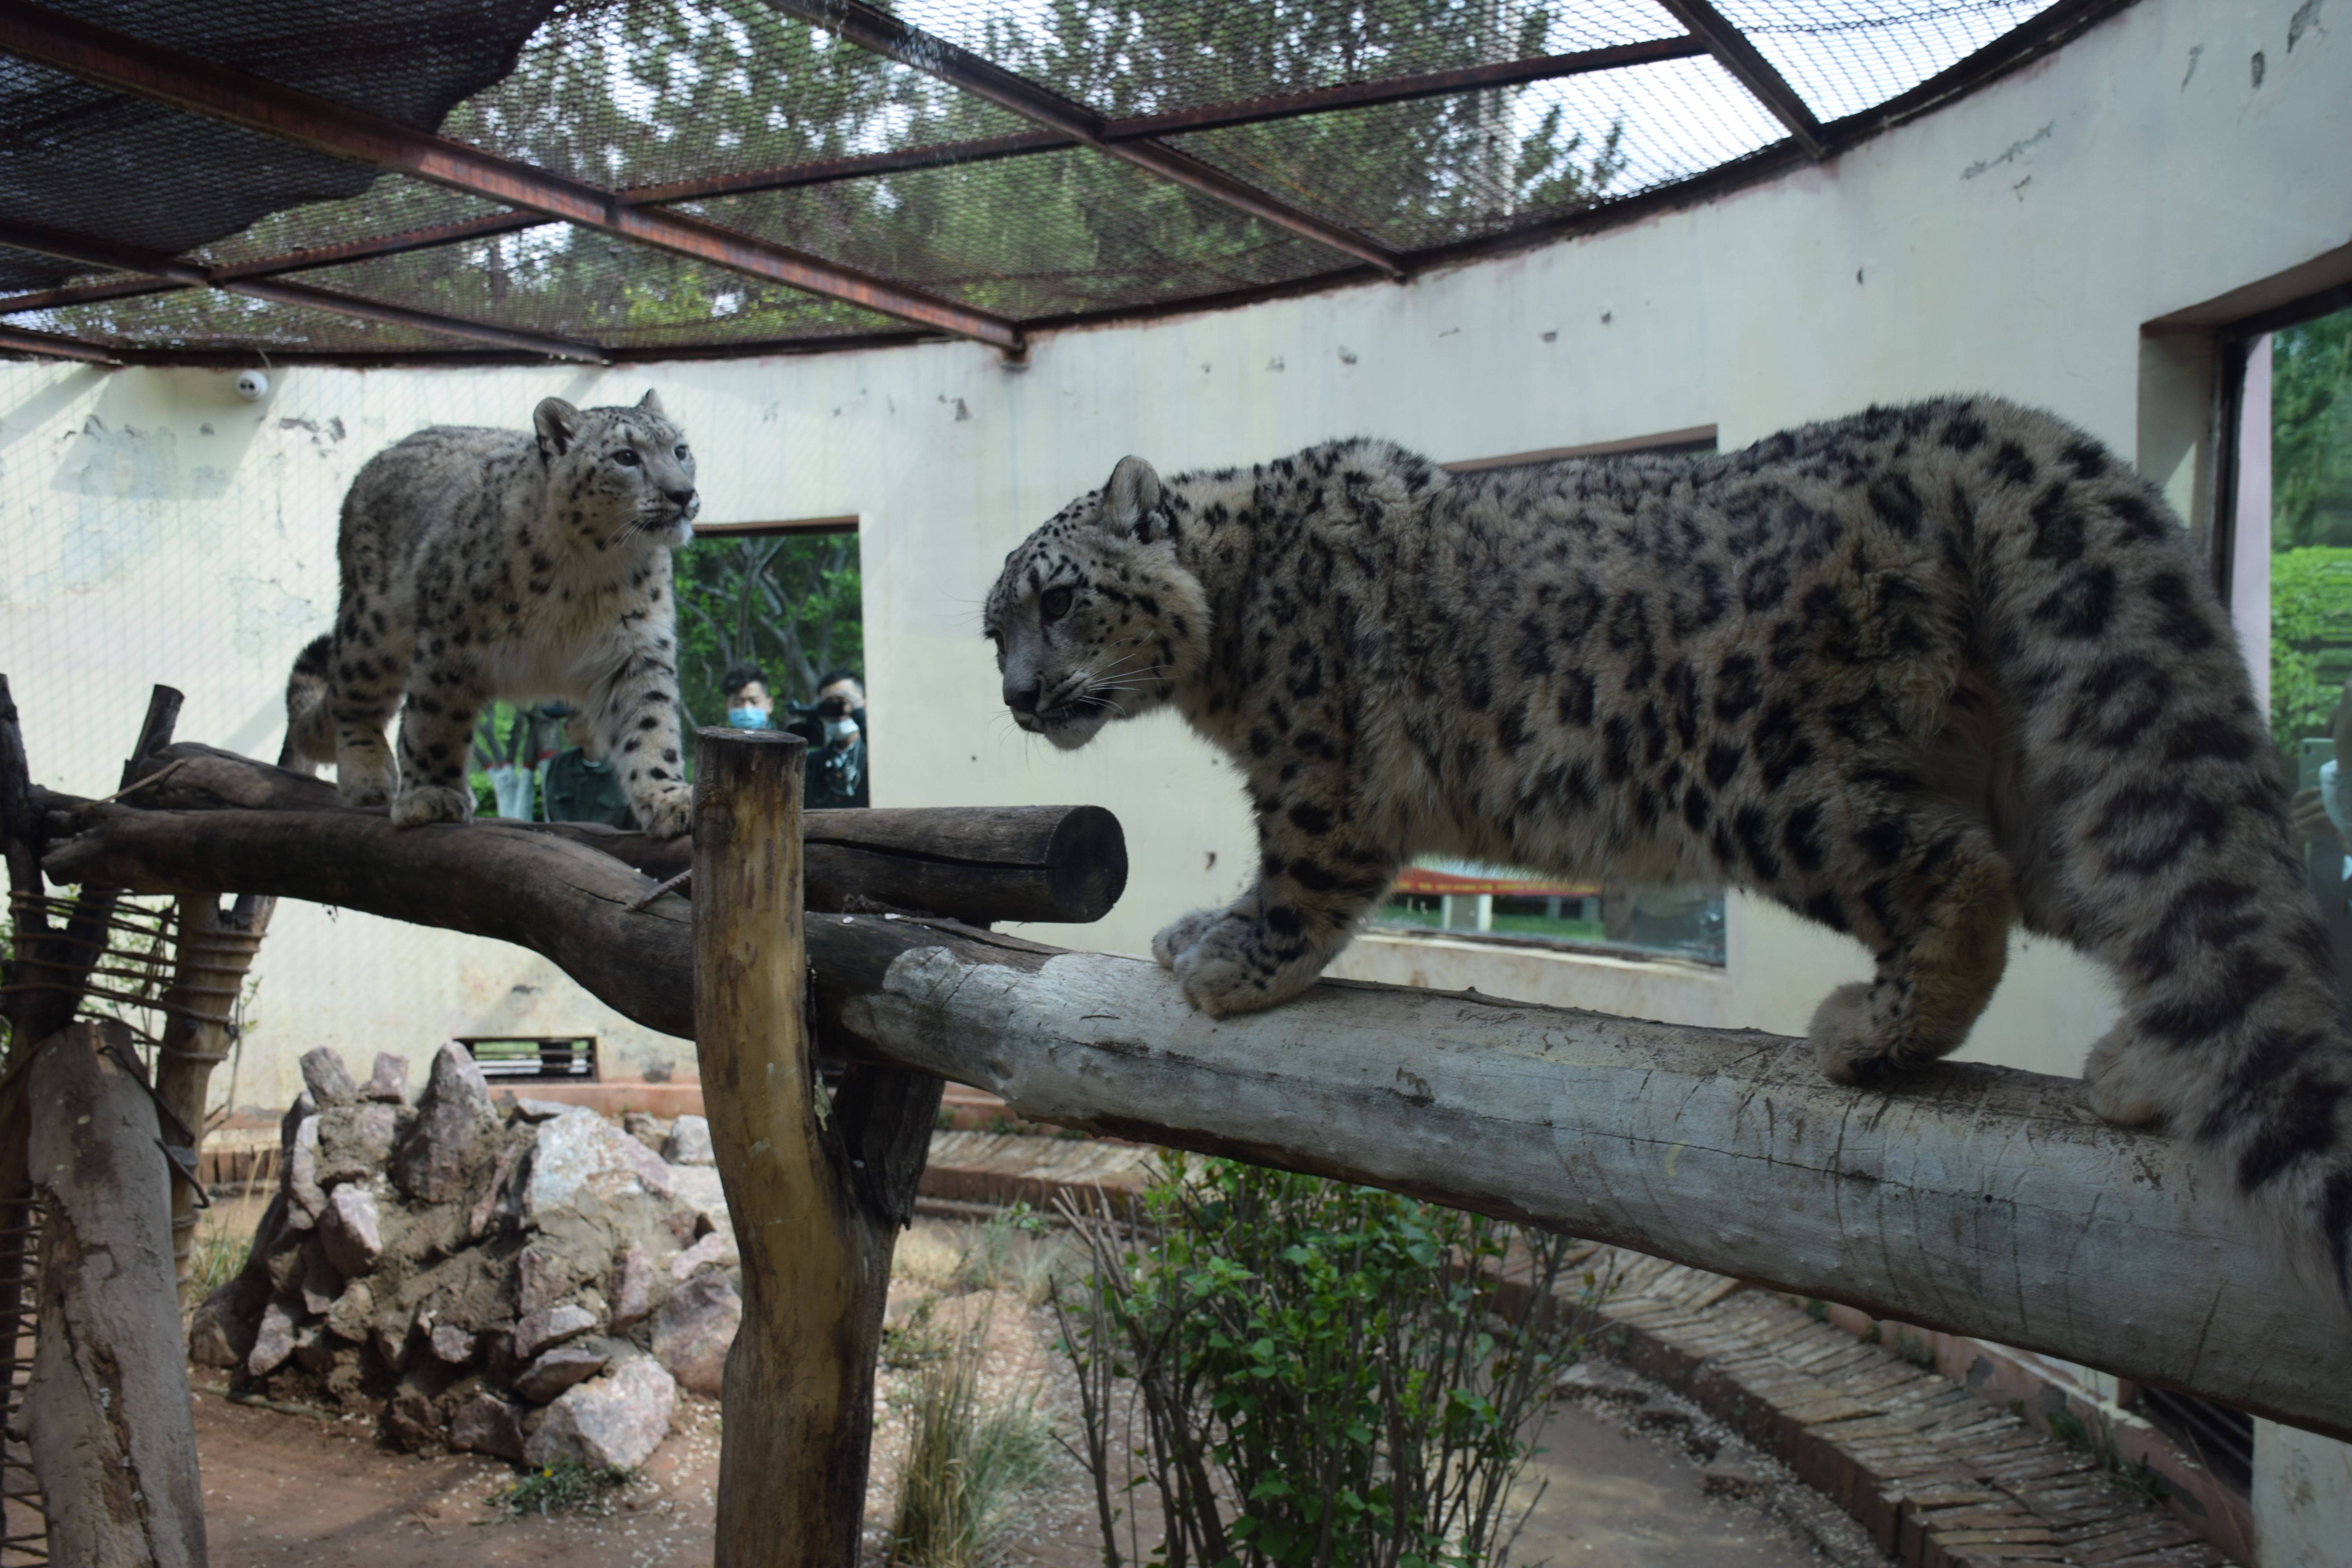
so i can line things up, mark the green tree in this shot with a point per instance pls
(790, 604)
(2311, 434)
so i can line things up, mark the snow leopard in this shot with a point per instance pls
(1920, 675)
(481, 564)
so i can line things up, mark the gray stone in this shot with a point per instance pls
(299, 1178)
(352, 1230)
(485, 1425)
(410, 1421)
(355, 1141)
(689, 1143)
(616, 1419)
(650, 1131)
(292, 1121)
(389, 1082)
(558, 1369)
(633, 1286)
(710, 1252)
(537, 1111)
(353, 1312)
(274, 1341)
(694, 1330)
(320, 1284)
(221, 1333)
(584, 1162)
(698, 1187)
(328, 1079)
(550, 1326)
(453, 1345)
(541, 1278)
(312, 1350)
(392, 1346)
(452, 1115)
(494, 1192)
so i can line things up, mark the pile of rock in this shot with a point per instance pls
(515, 1278)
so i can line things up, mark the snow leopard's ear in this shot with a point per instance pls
(1131, 498)
(651, 403)
(558, 424)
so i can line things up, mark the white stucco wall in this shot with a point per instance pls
(153, 527)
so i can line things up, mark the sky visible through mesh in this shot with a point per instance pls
(648, 93)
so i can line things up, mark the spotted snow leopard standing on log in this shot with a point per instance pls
(1917, 675)
(482, 564)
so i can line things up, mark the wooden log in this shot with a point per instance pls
(1978, 1200)
(106, 1411)
(1061, 864)
(216, 948)
(800, 1182)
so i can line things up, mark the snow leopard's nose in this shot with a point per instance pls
(680, 498)
(1024, 698)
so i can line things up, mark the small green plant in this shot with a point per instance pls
(561, 1488)
(1916, 1351)
(1817, 1310)
(1313, 1375)
(914, 1339)
(215, 1257)
(968, 1464)
(1010, 1251)
(2095, 1439)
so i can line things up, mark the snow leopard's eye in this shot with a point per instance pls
(626, 457)
(1056, 603)
(681, 451)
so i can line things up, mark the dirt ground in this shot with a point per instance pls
(287, 1487)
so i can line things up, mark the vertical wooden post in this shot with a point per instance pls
(817, 1189)
(216, 948)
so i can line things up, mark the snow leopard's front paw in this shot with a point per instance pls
(2123, 1091)
(1176, 939)
(1227, 962)
(667, 814)
(421, 803)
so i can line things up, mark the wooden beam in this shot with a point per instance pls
(910, 45)
(1057, 864)
(816, 1208)
(1978, 1200)
(141, 70)
(1751, 70)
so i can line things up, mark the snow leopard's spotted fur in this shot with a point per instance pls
(1917, 674)
(483, 564)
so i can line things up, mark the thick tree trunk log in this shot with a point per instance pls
(1978, 1200)
(1053, 863)
(107, 1409)
(800, 1181)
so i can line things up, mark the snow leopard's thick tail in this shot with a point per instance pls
(2158, 837)
(309, 728)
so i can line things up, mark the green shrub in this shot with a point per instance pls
(562, 1487)
(1313, 1374)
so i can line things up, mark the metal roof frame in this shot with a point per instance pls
(641, 215)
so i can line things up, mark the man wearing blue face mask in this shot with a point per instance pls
(749, 706)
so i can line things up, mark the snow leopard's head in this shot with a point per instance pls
(1093, 617)
(619, 478)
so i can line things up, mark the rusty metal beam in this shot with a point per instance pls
(886, 35)
(141, 70)
(20, 341)
(868, 165)
(1402, 88)
(1732, 50)
(169, 269)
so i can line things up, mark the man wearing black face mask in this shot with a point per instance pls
(834, 728)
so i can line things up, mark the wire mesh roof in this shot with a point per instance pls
(641, 178)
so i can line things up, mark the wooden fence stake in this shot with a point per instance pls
(817, 1190)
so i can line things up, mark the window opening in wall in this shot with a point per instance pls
(1514, 906)
(2285, 561)
(535, 1058)
(786, 597)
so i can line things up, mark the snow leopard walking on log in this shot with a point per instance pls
(482, 564)
(1918, 675)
